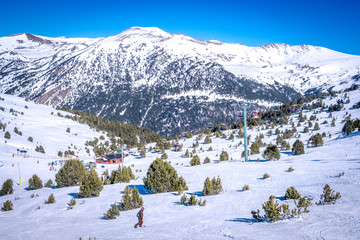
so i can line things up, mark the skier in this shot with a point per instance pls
(140, 216)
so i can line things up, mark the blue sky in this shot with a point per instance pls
(332, 24)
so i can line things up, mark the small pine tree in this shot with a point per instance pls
(51, 199)
(210, 149)
(7, 187)
(7, 206)
(266, 175)
(192, 201)
(187, 153)
(306, 130)
(348, 127)
(207, 140)
(302, 205)
(30, 139)
(298, 147)
(40, 149)
(125, 203)
(272, 152)
(328, 196)
(91, 185)
(49, 183)
(333, 122)
(292, 193)
(255, 148)
(272, 209)
(245, 187)
(206, 160)
(224, 156)
(195, 161)
(35, 182)
(184, 199)
(231, 137)
(208, 188)
(291, 169)
(136, 199)
(217, 185)
(7, 135)
(285, 145)
(72, 203)
(113, 212)
(316, 126)
(164, 156)
(316, 140)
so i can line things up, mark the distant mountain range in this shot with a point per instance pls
(169, 83)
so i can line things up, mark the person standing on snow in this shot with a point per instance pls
(140, 216)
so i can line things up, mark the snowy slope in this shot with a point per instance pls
(225, 216)
(45, 126)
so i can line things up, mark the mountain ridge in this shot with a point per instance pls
(148, 77)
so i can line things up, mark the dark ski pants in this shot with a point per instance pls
(139, 223)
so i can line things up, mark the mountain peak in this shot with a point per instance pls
(154, 31)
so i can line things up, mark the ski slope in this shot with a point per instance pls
(225, 216)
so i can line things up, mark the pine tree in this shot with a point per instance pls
(206, 160)
(272, 152)
(162, 177)
(51, 199)
(207, 140)
(7, 135)
(125, 203)
(231, 137)
(195, 161)
(306, 130)
(316, 126)
(70, 174)
(348, 127)
(7, 206)
(224, 156)
(328, 196)
(7, 187)
(285, 146)
(255, 148)
(184, 199)
(315, 141)
(298, 147)
(91, 185)
(164, 156)
(49, 183)
(272, 209)
(208, 188)
(292, 193)
(72, 203)
(35, 182)
(131, 199)
(192, 201)
(113, 212)
(217, 185)
(187, 153)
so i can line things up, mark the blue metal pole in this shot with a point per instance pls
(245, 134)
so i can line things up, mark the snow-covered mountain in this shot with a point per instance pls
(167, 82)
